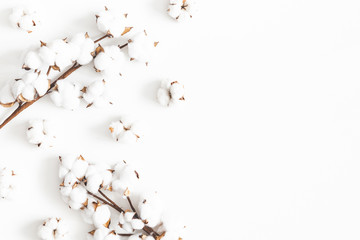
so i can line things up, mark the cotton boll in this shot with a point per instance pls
(47, 55)
(30, 86)
(137, 224)
(86, 47)
(182, 10)
(32, 60)
(151, 209)
(125, 131)
(65, 53)
(66, 95)
(109, 62)
(25, 19)
(171, 93)
(6, 97)
(98, 176)
(78, 195)
(112, 23)
(101, 216)
(70, 180)
(141, 47)
(41, 132)
(53, 229)
(79, 168)
(96, 94)
(125, 179)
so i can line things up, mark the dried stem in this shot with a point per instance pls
(111, 201)
(131, 205)
(23, 106)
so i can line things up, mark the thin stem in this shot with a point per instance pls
(122, 46)
(111, 201)
(102, 38)
(101, 199)
(131, 205)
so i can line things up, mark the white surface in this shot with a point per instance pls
(266, 146)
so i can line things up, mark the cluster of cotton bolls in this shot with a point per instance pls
(182, 9)
(170, 93)
(6, 183)
(125, 131)
(25, 19)
(41, 133)
(84, 187)
(61, 53)
(53, 229)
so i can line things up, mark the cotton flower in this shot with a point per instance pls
(125, 179)
(98, 176)
(151, 210)
(31, 86)
(85, 46)
(7, 99)
(25, 19)
(170, 93)
(182, 9)
(53, 229)
(103, 234)
(112, 23)
(129, 223)
(66, 95)
(109, 61)
(124, 131)
(96, 94)
(141, 47)
(41, 132)
(6, 182)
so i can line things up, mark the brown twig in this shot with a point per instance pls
(131, 205)
(23, 106)
(111, 201)
(122, 46)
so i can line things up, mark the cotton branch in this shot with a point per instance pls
(24, 105)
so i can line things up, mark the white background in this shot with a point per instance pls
(266, 146)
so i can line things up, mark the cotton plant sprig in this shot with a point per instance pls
(66, 56)
(87, 187)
